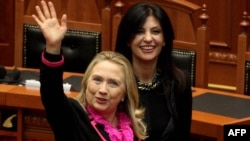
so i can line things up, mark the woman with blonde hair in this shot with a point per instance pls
(107, 108)
(130, 101)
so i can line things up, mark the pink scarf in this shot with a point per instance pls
(124, 133)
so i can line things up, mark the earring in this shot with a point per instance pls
(122, 99)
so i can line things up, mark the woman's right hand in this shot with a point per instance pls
(52, 30)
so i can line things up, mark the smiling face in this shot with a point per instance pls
(148, 41)
(106, 87)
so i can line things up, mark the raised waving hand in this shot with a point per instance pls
(52, 30)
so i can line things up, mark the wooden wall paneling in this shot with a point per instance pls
(19, 12)
(76, 10)
(226, 59)
(222, 52)
(217, 21)
(7, 32)
(224, 18)
(222, 11)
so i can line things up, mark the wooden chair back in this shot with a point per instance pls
(243, 58)
(78, 21)
(78, 46)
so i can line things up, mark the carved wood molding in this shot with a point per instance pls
(222, 57)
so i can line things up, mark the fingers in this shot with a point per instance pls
(52, 10)
(47, 12)
(40, 14)
(64, 21)
(45, 9)
(37, 20)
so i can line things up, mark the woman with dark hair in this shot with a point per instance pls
(145, 36)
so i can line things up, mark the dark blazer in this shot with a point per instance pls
(171, 112)
(67, 118)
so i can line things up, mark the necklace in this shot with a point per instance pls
(151, 85)
(124, 133)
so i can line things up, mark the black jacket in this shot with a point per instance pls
(168, 117)
(67, 118)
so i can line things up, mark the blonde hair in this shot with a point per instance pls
(130, 105)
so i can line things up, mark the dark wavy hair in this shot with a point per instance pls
(132, 21)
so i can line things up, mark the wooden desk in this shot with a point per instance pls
(23, 99)
(3, 90)
(26, 103)
(209, 124)
(21, 96)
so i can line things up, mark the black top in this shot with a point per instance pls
(67, 118)
(168, 117)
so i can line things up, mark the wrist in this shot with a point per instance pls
(53, 50)
(52, 60)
